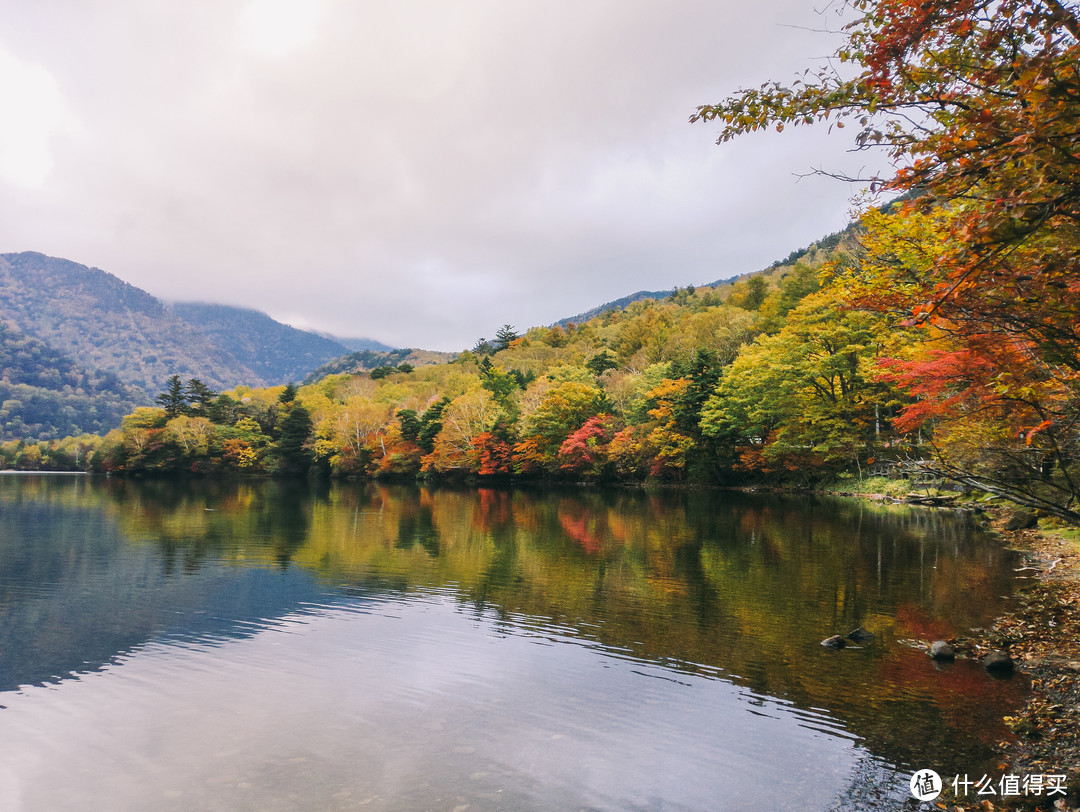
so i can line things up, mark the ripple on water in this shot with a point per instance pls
(513, 664)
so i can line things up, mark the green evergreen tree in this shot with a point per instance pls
(756, 292)
(500, 383)
(523, 379)
(483, 347)
(431, 424)
(224, 411)
(410, 424)
(504, 336)
(294, 457)
(601, 362)
(172, 400)
(703, 371)
(199, 396)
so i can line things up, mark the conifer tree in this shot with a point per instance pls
(199, 396)
(172, 400)
(504, 336)
(294, 457)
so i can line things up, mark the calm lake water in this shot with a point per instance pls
(278, 646)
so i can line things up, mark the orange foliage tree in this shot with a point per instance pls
(976, 101)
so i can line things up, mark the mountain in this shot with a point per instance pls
(367, 360)
(820, 247)
(615, 304)
(45, 395)
(80, 348)
(104, 323)
(357, 344)
(276, 352)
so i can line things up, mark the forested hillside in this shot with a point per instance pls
(611, 371)
(45, 395)
(633, 395)
(107, 320)
(615, 304)
(357, 344)
(976, 104)
(367, 360)
(81, 348)
(108, 324)
(275, 352)
(818, 248)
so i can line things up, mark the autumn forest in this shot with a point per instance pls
(938, 333)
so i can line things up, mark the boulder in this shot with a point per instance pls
(860, 635)
(836, 641)
(940, 650)
(1022, 520)
(998, 662)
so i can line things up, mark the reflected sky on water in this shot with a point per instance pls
(266, 645)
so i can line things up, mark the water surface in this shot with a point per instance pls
(261, 645)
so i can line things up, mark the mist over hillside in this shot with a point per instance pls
(79, 347)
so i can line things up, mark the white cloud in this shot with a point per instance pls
(33, 115)
(420, 172)
(275, 28)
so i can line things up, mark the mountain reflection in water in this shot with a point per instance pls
(164, 643)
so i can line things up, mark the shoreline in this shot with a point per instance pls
(1042, 634)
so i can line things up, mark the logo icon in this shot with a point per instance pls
(925, 785)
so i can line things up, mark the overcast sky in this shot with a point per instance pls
(416, 171)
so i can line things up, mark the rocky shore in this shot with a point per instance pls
(1042, 635)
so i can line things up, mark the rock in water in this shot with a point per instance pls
(999, 662)
(836, 641)
(940, 650)
(860, 635)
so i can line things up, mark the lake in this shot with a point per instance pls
(203, 645)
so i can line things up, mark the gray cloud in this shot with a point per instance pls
(419, 172)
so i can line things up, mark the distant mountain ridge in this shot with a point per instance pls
(357, 344)
(105, 323)
(626, 301)
(80, 348)
(615, 304)
(276, 352)
(824, 244)
(367, 360)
